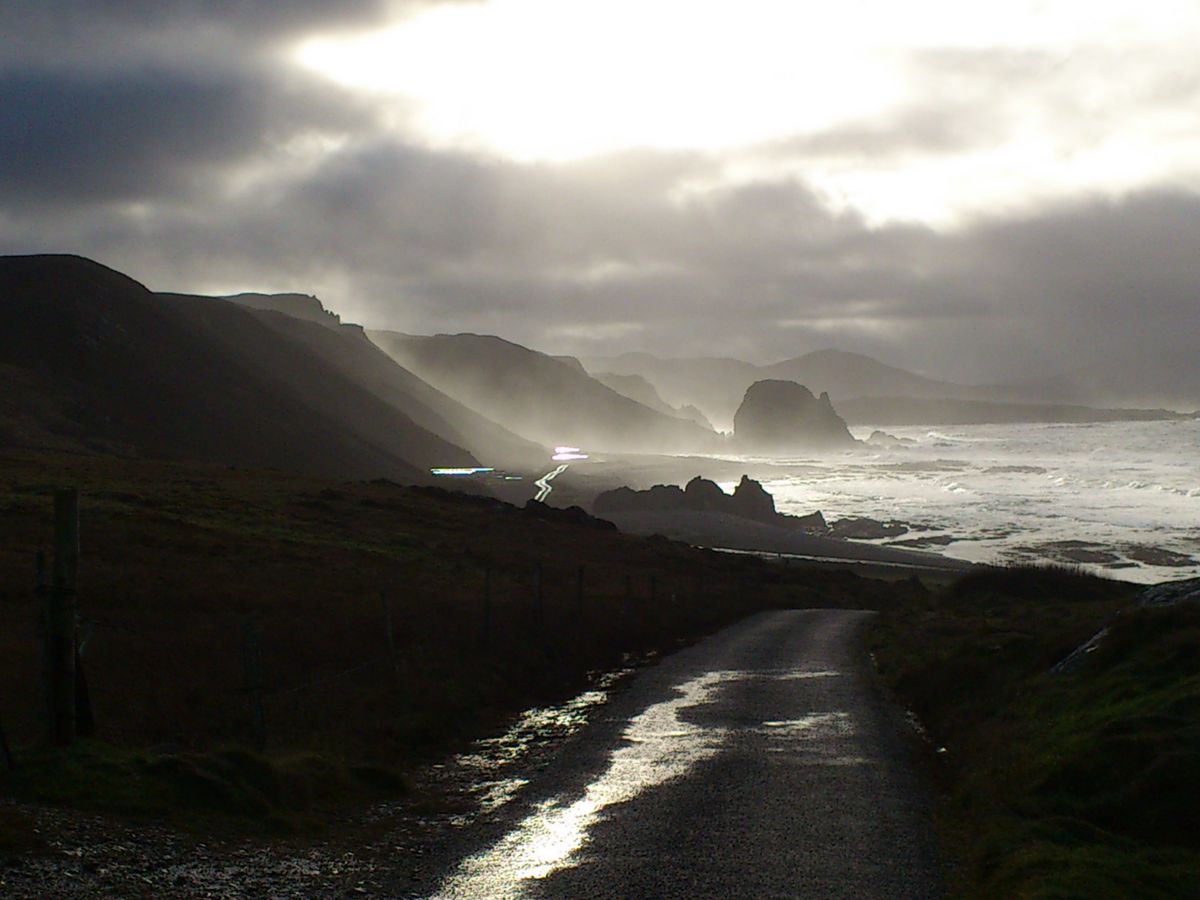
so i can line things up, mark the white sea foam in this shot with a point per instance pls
(1006, 492)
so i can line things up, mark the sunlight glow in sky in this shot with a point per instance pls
(556, 79)
(559, 80)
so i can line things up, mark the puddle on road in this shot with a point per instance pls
(477, 776)
(658, 746)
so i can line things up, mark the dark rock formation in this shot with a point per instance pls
(1171, 593)
(866, 529)
(890, 441)
(749, 501)
(574, 515)
(814, 522)
(299, 306)
(783, 417)
(700, 493)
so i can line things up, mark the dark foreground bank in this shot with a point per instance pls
(1075, 781)
(262, 649)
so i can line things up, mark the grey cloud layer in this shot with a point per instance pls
(134, 165)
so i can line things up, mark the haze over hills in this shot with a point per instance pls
(92, 359)
(714, 385)
(940, 411)
(863, 389)
(1161, 377)
(347, 349)
(635, 387)
(540, 397)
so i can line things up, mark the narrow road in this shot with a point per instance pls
(543, 484)
(761, 762)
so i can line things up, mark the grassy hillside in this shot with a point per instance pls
(91, 359)
(353, 353)
(181, 562)
(1080, 784)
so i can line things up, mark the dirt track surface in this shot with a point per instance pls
(761, 762)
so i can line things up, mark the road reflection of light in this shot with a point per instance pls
(659, 746)
(543, 484)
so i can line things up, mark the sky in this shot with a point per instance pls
(983, 192)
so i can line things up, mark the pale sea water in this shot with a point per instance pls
(1122, 498)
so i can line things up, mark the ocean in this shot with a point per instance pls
(1121, 498)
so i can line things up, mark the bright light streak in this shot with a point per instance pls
(543, 484)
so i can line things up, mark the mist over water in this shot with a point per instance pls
(1111, 496)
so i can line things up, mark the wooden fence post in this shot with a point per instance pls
(486, 632)
(8, 757)
(391, 639)
(579, 596)
(60, 619)
(252, 663)
(538, 597)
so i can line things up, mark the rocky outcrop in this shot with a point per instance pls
(700, 493)
(785, 417)
(864, 529)
(298, 306)
(888, 441)
(748, 501)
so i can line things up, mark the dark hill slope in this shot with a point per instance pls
(112, 366)
(347, 349)
(538, 396)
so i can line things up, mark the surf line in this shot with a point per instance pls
(543, 483)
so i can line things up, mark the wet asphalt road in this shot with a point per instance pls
(761, 762)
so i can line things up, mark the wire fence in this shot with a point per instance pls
(179, 679)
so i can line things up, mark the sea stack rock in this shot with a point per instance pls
(702, 494)
(751, 501)
(783, 417)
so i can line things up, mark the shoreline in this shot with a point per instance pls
(722, 531)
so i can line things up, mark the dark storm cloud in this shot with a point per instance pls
(159, 139)
(75, 139)
(80, 30)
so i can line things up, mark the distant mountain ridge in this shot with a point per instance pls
(859, 386)
(635, 387)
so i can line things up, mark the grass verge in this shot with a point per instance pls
(1081, 784)
(351, 624)
(281, 793)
